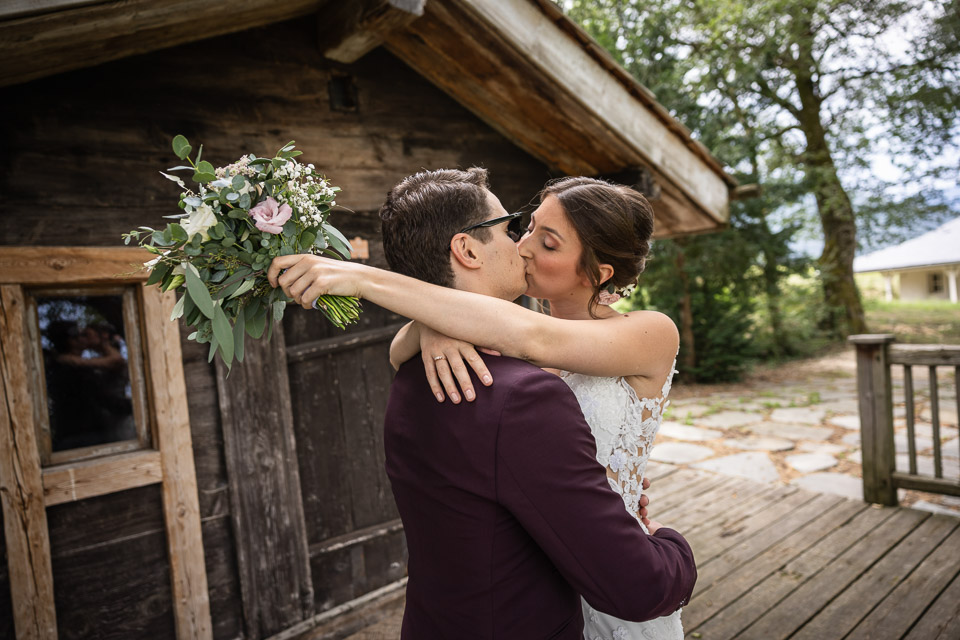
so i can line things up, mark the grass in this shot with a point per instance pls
(926, 322)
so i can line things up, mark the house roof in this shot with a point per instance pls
(520, 65)
(938, 247)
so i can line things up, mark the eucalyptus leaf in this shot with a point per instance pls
(221, 183)
(238, 336)
(223, 332)
(193, 201)
(198, 291)
(338, 241)
(181, 148)
(245, 286)
(206, 167)
(202, 177)
(158, 273)
(238, 182)
(256, 325)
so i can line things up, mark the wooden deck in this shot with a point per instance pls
(777, 562)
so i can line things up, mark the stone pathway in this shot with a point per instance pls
(799, 425)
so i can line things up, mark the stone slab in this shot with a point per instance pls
(948, 415)
(791, 431)
(679, 452)
(729, 419)
(852, 439)
(856, 457)
(949, 466)
(823, 447)
(831, 482)
(759, 443)
(851, 405)
(810, 462)
(950, 448)
(753, 465)
(925, 429)
(847, 422)
(803, 415)
(679, 431)
(901, 443)
(677, 411)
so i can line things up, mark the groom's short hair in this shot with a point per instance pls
(423, 212)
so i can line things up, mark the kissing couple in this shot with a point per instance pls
(513, 528)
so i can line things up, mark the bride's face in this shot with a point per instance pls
(551, 252)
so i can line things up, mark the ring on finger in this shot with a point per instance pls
(440, 357)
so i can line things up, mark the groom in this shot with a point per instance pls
(507, 514)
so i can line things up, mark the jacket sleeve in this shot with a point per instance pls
(549, 478)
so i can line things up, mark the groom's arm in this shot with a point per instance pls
(548, 476)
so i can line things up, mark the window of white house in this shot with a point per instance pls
(935, 281)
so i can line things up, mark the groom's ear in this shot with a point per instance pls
(464, 250)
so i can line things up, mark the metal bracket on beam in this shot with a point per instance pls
(364, 25)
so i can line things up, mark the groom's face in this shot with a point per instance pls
(503, 272)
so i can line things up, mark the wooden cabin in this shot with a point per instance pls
(147, 495)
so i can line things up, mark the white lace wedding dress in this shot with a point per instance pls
(624, 427)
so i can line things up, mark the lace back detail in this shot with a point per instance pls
(624, 426)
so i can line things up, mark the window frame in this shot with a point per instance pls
(29, 487)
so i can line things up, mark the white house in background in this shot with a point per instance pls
(928, 266)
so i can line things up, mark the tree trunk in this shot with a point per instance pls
(844, 311)
(771, 282)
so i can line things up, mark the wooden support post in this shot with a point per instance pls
(265, 494)
(21, 486)
(181, 507)
(876, 417)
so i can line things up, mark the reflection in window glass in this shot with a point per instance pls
(87, 372)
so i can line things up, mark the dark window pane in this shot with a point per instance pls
(88, 376)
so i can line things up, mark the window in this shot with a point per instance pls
(86, 348)
(935, 282)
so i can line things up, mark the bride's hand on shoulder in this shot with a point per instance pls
(305, 277)
(445, 361)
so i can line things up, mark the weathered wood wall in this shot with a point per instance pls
(6, 606)
(80, 162)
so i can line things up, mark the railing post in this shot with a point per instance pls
(876, 417)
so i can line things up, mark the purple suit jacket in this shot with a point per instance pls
(508, 516)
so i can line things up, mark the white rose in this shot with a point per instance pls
(200, 220)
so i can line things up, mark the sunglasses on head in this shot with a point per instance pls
(514, 225)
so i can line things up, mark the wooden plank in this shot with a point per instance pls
(727, 505)
(942, 620)
(266, 507)
(925, 354)
(116, 591)
(714, 545)
(72, 265)
(319, 348)
(904, 605)
(843, 613)
(924, 483)
(21, 487)
(19, 8)
(81, 480)
(788, 576)
(793, 611)
(749, 544)
(683, 486)
(717, 594)
(744, 502)
(33, 47)
(181, 509)
(356, 537)
(369, 26)
(935, 423)
(910, 407)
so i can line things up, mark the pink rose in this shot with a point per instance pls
(269, 217)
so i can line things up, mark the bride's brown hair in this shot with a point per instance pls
(614, 224)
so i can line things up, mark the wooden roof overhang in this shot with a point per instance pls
(520, 65)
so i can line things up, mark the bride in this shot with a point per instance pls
(587, 242)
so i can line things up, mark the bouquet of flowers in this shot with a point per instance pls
(237, 219)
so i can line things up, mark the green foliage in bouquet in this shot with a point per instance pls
(239, 218)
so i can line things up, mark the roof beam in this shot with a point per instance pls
(364, 26)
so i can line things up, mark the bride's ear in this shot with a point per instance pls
(463, 250)
(606, 272)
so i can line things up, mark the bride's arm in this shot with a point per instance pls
(637, 345)
(405, 345)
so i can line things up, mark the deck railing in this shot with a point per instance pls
(876, 357)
